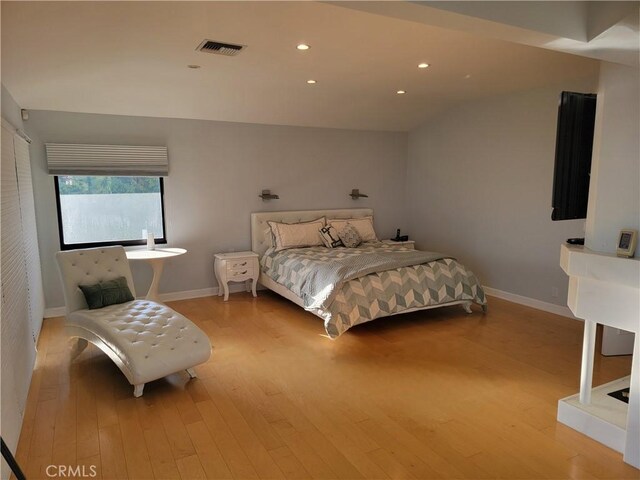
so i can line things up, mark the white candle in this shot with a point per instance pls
(151, 243)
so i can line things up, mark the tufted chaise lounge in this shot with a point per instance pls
(145, 339)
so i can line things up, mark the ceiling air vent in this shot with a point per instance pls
(220, 48)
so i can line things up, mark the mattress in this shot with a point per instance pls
(347, 287)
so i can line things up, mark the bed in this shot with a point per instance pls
(349, 286)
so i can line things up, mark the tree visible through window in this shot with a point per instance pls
(103, 210)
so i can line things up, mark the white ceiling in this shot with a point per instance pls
(603, 30)
(130, 58)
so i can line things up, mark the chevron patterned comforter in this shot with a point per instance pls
(349, 286)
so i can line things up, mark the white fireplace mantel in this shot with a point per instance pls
(605, 289)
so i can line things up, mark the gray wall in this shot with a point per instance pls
(217, 170)
(614, 191)
(10, 109)
(479, 183)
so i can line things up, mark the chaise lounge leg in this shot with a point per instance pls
(191, 372)
(137, 390)
(467, 307)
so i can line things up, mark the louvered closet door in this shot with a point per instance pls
(30, 235)
(18, 350)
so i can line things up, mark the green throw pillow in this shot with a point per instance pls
(107, 293)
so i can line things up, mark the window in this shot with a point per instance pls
(97, 210)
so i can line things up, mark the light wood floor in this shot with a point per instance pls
(434, 394)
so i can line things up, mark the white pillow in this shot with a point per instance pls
(364, 226)
(330, 237)
(268, 235)
(296, 235)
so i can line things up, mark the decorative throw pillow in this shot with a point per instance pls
(106, 293)
(350, 236)
(364, 226)
(296, 235)
(330, 237)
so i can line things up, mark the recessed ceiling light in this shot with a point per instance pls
(193, 66)
(303, 46)
(423, 65)
(468, 75)
(311, 82)
(401, 92)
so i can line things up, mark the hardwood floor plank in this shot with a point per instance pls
(399, 452)
(186, 406)
(260, 426)
(44, 429)
(208, 452)
(86, 415)
(432, 394)
(347, 438)
(113, 464)
(289, 463)
(249, 407)
(105, 400)
(409, 434)
(305, 453)
(179, 440)
(389, 464)
(234, 456)
(162, 462)
(190, 468)
(133, 441)
(28, 423)
(596, 459)
(249, 442)
(65, 433)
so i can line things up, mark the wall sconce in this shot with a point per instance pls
(267, 195)
(355, 194)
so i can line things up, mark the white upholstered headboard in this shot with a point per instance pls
(260, 235)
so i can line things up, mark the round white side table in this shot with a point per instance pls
(156, 259)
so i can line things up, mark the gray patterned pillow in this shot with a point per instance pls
(350, 236)
(330, 237)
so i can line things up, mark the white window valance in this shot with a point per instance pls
(113, 160)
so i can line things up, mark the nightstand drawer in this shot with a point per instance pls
(233, 273)
(238, 264)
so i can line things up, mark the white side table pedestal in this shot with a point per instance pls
(155, 258)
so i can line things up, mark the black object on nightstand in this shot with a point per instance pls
(575, 241)
(400, 238)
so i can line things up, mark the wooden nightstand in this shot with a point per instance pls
(408, 243)
(236, 267)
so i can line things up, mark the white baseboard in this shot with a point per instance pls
(238, 287)
(165, 297)
(530, 302)
(203, 292)
(54, 312)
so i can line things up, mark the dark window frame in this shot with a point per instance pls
(124, 243)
